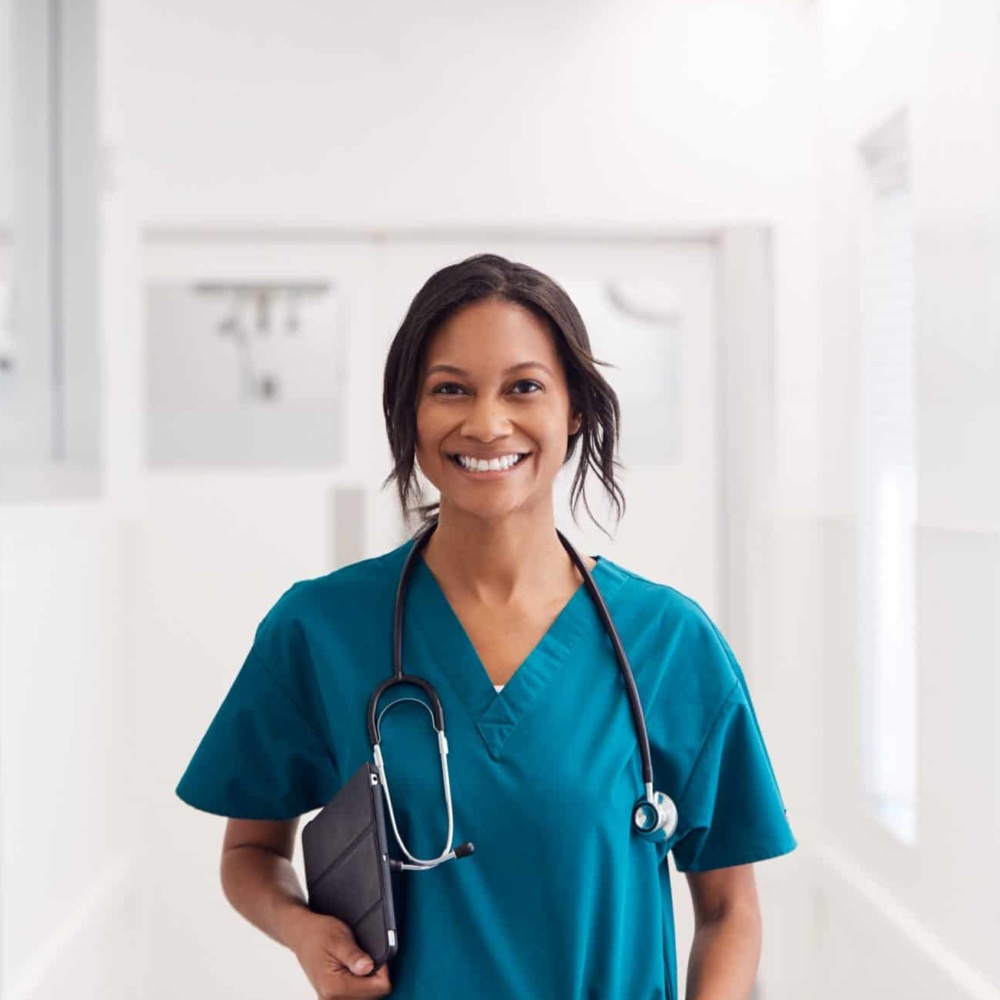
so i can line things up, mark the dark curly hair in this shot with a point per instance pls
(488, 276)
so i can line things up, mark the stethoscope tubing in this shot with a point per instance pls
(638, 716)
(653, 799)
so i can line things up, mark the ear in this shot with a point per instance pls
(576, 423)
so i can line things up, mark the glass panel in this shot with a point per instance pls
(246, 373)
(889, 489)
(49, 386)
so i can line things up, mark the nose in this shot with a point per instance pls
(486, 420)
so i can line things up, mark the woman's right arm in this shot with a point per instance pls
(260, 883)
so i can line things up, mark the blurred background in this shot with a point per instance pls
(779, 220)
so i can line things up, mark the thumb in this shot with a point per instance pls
(343, 946)
(360, 963)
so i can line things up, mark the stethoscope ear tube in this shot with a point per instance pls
(437, 712)
(437, 715)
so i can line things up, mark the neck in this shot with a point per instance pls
(499, 562)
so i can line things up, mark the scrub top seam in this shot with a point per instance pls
(299, 711)
(741, 680)
(716, 721)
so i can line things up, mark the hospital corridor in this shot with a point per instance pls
(299, 305)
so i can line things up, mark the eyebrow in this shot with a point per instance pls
(455, 370)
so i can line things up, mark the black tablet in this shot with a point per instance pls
(347, 864)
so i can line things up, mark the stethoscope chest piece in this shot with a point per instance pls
(656, 818)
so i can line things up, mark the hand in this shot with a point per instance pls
(328, 953)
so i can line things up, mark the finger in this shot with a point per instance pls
(381, 977)
(379, 983)
(346, 950)
(344, 984)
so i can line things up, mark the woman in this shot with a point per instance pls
(561, 898)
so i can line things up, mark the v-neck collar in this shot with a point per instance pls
(445, 642)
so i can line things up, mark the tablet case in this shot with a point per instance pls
(347, 864)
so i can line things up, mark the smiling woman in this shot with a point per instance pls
(490, 431)
(490, 386)
(491, 353)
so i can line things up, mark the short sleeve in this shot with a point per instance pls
(731, 811)
(263, 755)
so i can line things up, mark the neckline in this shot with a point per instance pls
(581, 588)
(448, 650)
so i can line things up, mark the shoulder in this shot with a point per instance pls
(672, 606)
(674, 630)
(350, 592)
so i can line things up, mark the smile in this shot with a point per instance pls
(482, 469)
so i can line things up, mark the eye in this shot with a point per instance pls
(437, 390)
(527, 381)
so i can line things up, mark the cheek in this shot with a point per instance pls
(423, 424)
(427, 432)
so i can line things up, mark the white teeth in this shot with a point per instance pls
(489, 465)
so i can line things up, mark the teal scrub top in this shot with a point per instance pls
(561, 900)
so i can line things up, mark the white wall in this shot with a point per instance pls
(6, 110)
(920, 922)
(67, 874)
(225, 113)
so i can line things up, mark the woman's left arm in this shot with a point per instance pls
(725, 952)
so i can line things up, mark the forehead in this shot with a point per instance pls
(492, 330)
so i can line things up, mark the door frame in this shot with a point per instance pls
(746, 372)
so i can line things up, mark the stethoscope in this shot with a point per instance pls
(654, 815)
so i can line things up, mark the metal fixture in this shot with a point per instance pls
(252, 310)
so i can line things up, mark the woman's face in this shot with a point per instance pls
(493, 387)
